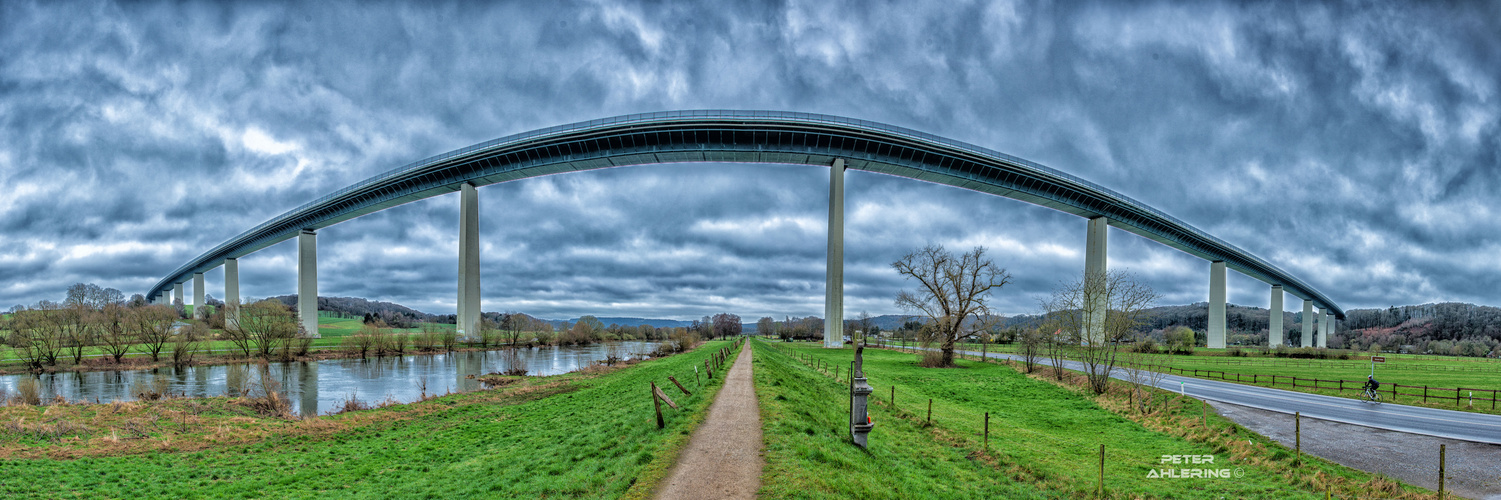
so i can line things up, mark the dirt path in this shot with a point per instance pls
(723, 458)
(1473, 469)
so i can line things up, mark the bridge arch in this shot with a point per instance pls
(709, 136)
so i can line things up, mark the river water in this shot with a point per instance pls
(315, 387)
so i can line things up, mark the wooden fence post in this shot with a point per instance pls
(1101, 491)
(680, 386)
(1298, 435)
(893, 396)
(987, 430)
(661, 424)
(1440, 472)
(930, 411)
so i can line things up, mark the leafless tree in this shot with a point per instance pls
(34, 336)
(766, 326)
(726, 325)
(116, 338)
(1031, 345)
(863, 322)
(1121, 301)
(153, 327)
(267, 324)
(953, 288)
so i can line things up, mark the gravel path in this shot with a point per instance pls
(723, 458)
(1473, 469)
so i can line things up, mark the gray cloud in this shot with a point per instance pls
(1355, 145)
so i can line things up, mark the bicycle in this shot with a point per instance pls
(1372, 396)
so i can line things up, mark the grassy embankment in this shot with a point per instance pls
(1044, 439)
(1406, 369)
(574, 435)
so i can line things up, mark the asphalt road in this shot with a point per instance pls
(1465, 426)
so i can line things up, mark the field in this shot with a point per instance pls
(1477, 375)
(573, 435)
(1044, 439)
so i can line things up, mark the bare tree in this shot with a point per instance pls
(76, 329)
(1120, 298)
(267, 324)
(726, 324)
(863, 322)
(1057, 342)
(34, 337)
(953, 288)
(115, 335)
(766, 326)
(1031, 345)
(152, 326)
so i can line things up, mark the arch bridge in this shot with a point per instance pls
(707, 136)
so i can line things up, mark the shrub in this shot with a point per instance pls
(352, 404)
(683, 339)
(152, 390)
(515, 365)
(1236, 352)
(265, 397)
(932, 359)
(28, 391)
(1145, 346)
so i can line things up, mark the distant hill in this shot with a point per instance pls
(609, 320)
(355, 306)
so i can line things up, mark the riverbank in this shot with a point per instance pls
(579, 434)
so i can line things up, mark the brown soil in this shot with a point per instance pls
(724, 457)
(1472, 470)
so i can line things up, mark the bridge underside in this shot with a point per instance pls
(748, 137)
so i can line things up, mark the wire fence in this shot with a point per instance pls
(1052, 446)
(1423, 392)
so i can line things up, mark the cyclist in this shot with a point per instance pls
(1371, 385)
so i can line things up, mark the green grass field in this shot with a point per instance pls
(1044, 438)
(1478, 375)
(573, 435)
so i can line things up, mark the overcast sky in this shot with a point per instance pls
(1354, 145)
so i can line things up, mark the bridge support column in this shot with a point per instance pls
(307, 282)
(198, 305)
(1216, 334)
(1308, 319)
(177, 294)
(833, 301)
(1095, 303)
(1326, 328)
(1274, 323)
(231, 292)
(469, 308)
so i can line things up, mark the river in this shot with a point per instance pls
(315, 387)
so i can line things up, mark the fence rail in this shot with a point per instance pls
(1427, 392)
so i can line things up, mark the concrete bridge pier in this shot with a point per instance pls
(1274, 324)
(177, 294)
(231, 292)
(307, 282)
(469, 294)
(1326, 328)
(1308, 320)
(1216, 334)
(1096, 241)
(198, 301)
(833, 302)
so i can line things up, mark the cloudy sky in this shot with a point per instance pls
(1352, 144)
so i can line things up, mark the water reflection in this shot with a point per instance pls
(316, 387)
